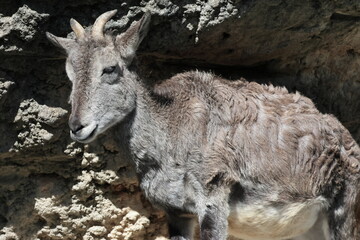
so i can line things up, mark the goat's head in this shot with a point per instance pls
(103, 88)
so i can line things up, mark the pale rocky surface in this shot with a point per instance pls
(53, 188)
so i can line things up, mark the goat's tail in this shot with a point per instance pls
(345, 220)
(357, 214)
(352, 210)
(344, 216)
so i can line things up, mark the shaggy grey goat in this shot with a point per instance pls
(248, 160)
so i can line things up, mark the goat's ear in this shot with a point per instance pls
(63, 43)
(129, 41)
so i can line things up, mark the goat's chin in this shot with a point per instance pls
(103, 127)
(108, 122)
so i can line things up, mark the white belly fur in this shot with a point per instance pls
(262, 221)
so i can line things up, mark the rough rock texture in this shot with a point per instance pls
(53, 188)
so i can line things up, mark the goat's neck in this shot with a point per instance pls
(148, 134)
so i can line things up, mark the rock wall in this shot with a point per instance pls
(54, 188)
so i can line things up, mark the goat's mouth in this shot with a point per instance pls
(86, 135)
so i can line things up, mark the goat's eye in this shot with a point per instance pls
(109, 70)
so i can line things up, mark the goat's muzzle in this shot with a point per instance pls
(80, 131)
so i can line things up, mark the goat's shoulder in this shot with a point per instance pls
(187, 83)
(204, 86)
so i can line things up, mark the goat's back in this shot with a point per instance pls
(260, 132)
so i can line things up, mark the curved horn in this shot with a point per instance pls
(98, 28)
(78, 29)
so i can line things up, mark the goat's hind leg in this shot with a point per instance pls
(319, 231)
(180, 227)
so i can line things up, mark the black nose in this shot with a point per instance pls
(75, 124)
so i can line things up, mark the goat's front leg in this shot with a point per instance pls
(213, 222)
(180, 227)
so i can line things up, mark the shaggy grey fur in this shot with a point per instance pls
(250, 159)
